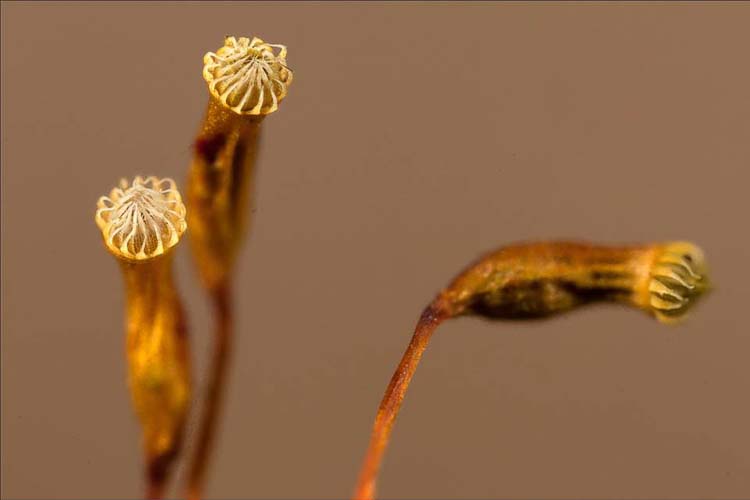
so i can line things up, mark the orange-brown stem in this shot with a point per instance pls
(216, 387)
(432, 316)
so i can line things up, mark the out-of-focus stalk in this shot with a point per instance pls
(247, 79)
(539, 280)
(140, 224)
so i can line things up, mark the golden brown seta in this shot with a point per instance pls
(247, 79)
(140, 224)
(537, 280)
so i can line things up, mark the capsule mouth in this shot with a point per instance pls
(143, 219)
(677, 280)
(248, 76)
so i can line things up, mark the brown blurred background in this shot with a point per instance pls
(414, 137)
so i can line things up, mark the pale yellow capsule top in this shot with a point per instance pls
(677, 278)
(141, 220)
(247, 75)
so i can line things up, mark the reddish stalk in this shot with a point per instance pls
(431, 317)
(216, 384)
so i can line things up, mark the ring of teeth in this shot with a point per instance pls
(141, 220)
(247, 75)
(676, 278)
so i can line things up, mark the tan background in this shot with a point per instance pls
(414, 137)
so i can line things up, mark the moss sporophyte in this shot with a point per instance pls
(538, 280)
(141, 223)
(247, 80)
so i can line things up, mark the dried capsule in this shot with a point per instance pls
(538, 280)
(140, 223)
(247, 79)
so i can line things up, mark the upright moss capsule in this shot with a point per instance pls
(140, 223)
(247, 79)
